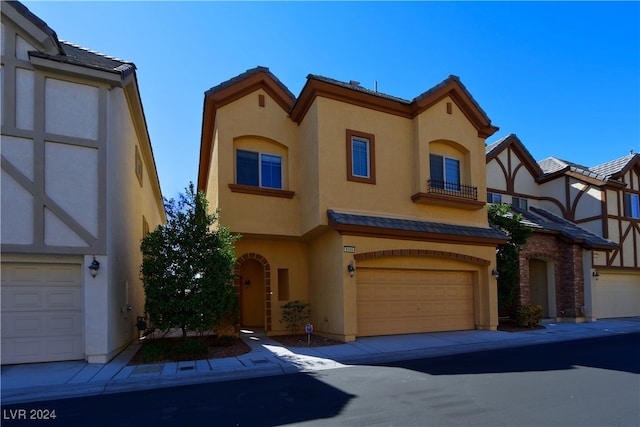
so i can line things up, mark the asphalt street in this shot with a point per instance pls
(589, 382)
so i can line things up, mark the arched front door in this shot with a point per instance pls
(252, 292)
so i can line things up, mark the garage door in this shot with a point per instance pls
(398, 301)
(616, 295)
(41, 313)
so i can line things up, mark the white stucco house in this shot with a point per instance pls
(79, 184)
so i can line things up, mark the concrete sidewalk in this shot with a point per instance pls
(57, 380)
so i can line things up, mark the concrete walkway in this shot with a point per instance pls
(57, 380)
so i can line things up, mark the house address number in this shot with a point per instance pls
(350, 249)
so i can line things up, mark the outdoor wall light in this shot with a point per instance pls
(94, 267)
(351, 269)
(595, 274)
(495, 273)
(247, 283)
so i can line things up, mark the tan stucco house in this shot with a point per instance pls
(583, 259)
(367, 206)
(79, 184)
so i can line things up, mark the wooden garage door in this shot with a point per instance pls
(41, 313)
(398, 301)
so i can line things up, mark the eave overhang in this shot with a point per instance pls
(407, 229)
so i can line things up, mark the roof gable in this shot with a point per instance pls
(34, 26)
(229, 91)
(357, 95)
(453, 88)
(512, 142)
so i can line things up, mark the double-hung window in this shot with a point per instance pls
(258, 169)
(632, 205)
(361, 157)
(445, 172)
(360, 152)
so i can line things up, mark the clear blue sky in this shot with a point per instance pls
(564, 77)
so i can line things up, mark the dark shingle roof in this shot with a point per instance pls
(248, 73)
(81, 56)
(39, 23)
(489, 148)
(538, 218)
(614, 167)
(341, 218)
(552, 165)
(69, 53)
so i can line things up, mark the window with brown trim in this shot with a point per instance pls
(632, 205)
(361, 157)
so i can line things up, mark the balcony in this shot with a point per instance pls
(452, 189)
(450, 194)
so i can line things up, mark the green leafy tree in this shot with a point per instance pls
(188, 267)
(508, 254)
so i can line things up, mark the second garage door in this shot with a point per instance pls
(616, 295)
(41, 312)
(401, 301)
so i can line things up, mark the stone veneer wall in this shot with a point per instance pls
(569, 278)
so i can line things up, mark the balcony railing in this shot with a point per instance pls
(452, 189)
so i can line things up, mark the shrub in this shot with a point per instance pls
(507, 256)
(294, 314)
(188, 267)
(529, 316)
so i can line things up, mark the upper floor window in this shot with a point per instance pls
(520, 203)
(258, 169)
(445, 172)
(632, 205)
(494, 197)
(361, 157)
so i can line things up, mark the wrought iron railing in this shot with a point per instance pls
(452, 189)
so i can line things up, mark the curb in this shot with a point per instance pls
(118, 377)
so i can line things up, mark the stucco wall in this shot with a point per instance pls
(265, 128)
(129, 201)
(331, 290)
